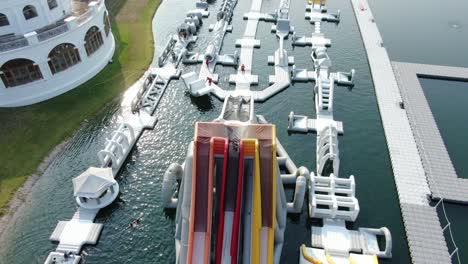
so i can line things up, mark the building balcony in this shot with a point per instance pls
(55, 59)
(82, 11)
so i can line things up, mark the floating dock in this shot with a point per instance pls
(81, 230)
(442, 177)
(424, 232)
(244, 78)
(239, 156)
(206, 81)
(232, 178)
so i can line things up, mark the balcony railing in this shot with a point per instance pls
(83, 17)
(13, 44)
(48, 32)
(52, 32)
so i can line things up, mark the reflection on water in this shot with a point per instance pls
(455, 24)
(363, 149)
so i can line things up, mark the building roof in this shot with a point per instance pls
(93, 182)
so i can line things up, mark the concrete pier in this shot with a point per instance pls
(425, 235)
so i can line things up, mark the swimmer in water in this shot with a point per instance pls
(135, 222)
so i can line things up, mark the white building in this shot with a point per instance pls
(48, 47)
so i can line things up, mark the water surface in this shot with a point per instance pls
(363, 148)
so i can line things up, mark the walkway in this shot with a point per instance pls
(443, 179)
(425, 236)
(243, 80)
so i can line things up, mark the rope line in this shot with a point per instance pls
(440, 203)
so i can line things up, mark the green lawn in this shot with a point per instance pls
(28, 134)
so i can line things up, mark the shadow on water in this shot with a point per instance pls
(170, 213)
(294, 218)
(203, 103)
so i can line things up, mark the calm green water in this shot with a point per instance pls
(421, 31)
(363, 150)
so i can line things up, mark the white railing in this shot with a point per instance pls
(89, 12)
(327, 150)
(14, 44)
(52, 32)
(333, 197)
(48, 33)
(83, 17)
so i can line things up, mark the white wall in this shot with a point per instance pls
(53, 85)
(13, 9)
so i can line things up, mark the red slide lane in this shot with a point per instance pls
(237, 214)
(219, 240)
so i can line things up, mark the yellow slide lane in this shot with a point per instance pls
(257, 203)
(271, 231)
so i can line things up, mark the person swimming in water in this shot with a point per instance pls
(135, 222)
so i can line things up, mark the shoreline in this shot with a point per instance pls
(22, 194)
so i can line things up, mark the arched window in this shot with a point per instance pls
(19, 71)
(93, 40)
(52, 4)
(63, 57)
(107, 25)
(29, 12)
(4, 20)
